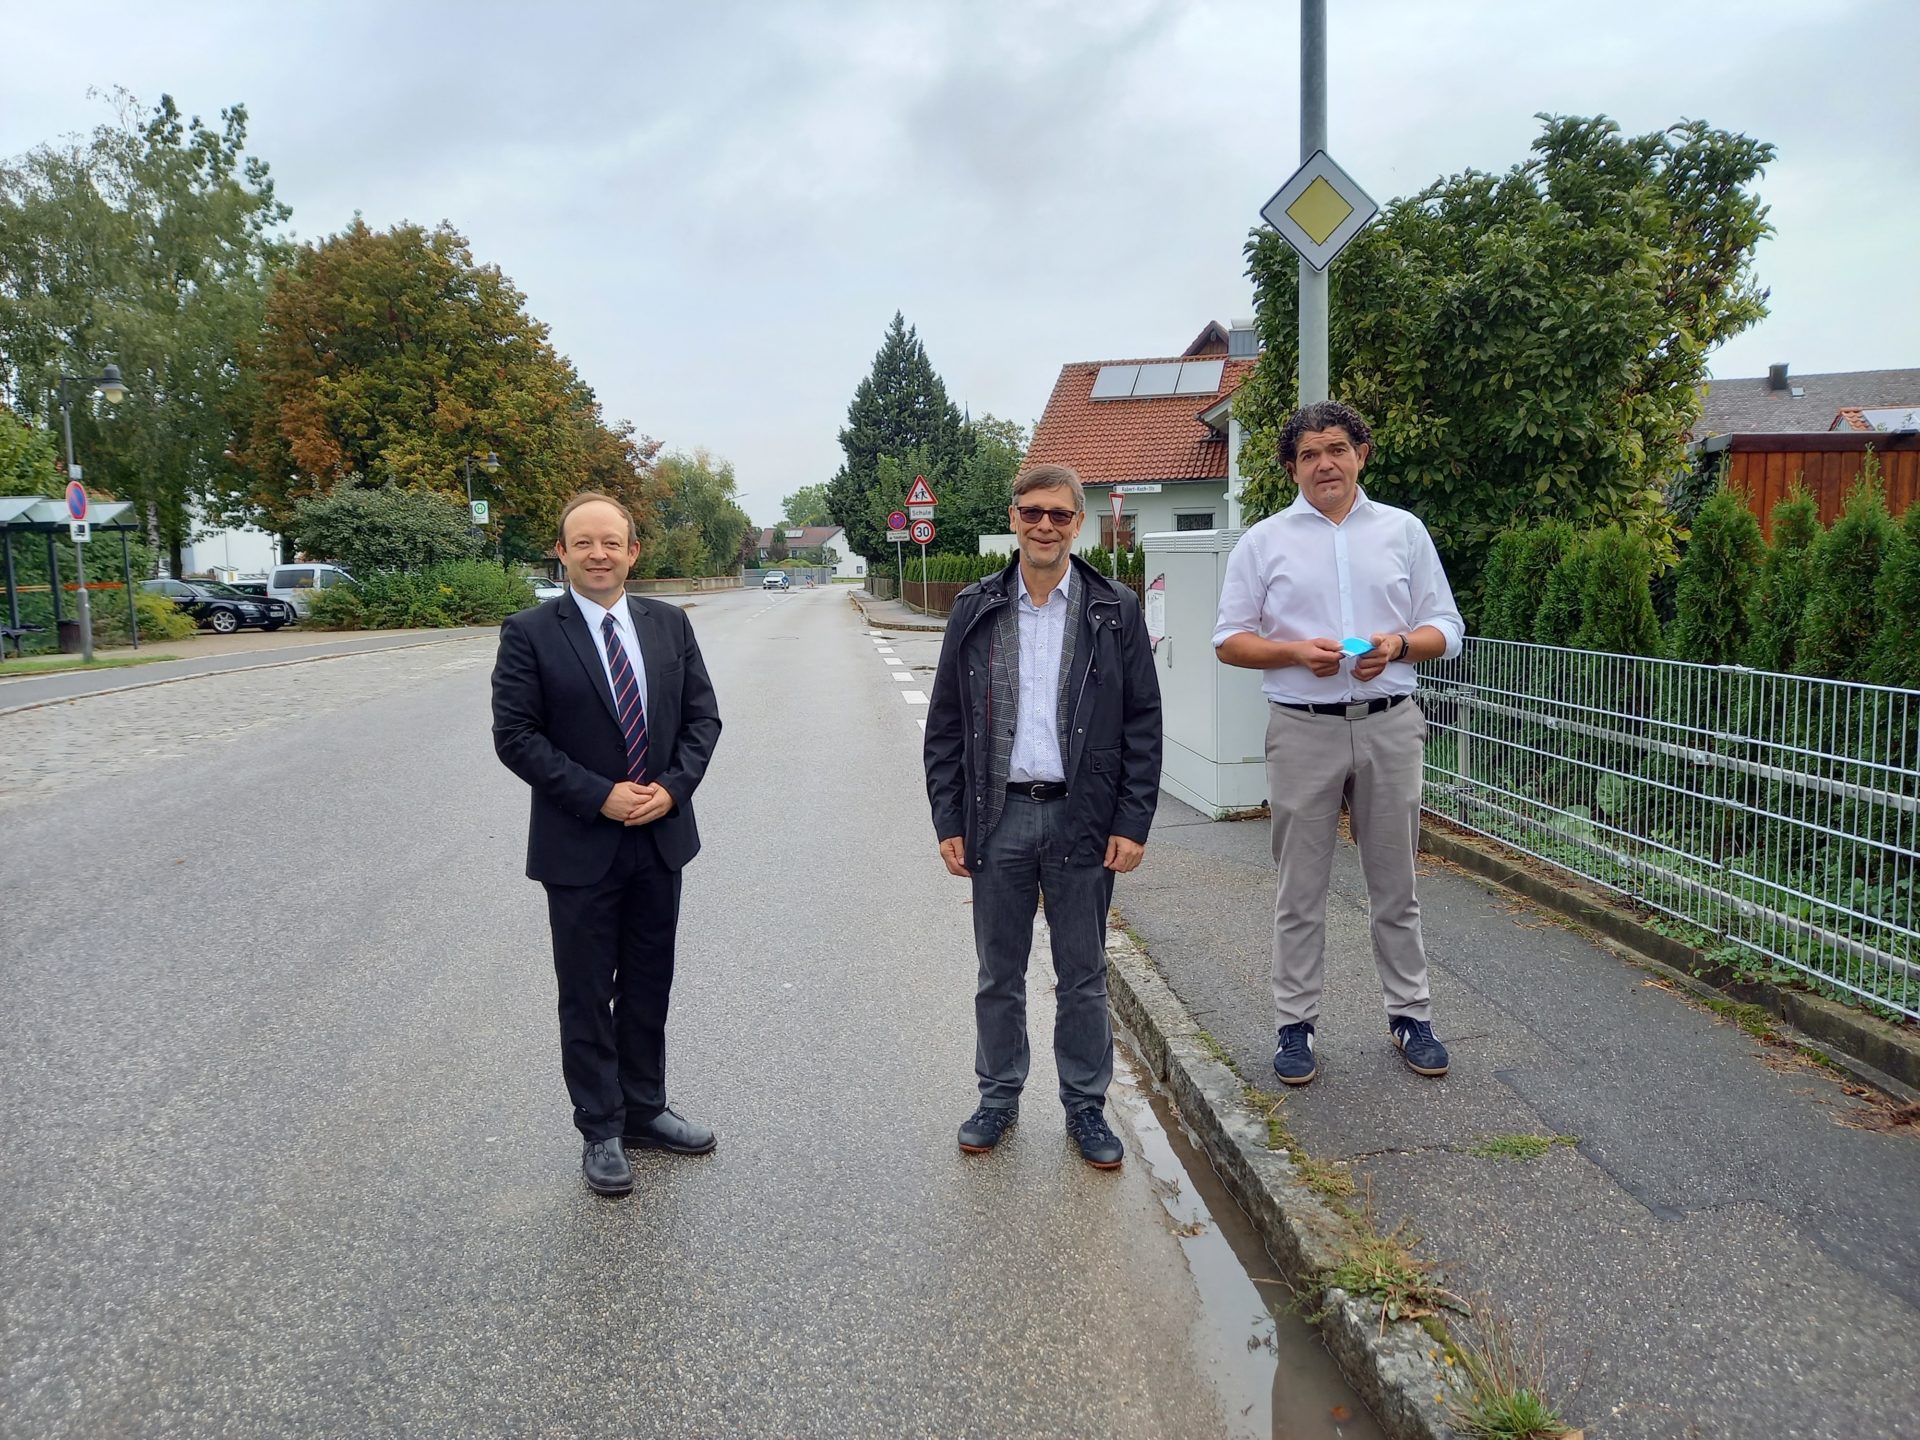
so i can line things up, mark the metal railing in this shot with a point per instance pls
(1779, 812)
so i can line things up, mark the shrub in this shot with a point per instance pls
(1717, 576)
(383, 529)
(1558, 618)
(1779, 600)
(160, 618)
(1895, 657)
(337, 607)
(1843, 616)
(1494, 618)
(1616, 596)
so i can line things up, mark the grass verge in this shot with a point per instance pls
(56, 664)
(1519, 1146)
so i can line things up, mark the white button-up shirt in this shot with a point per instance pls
(1036, 728)
(623, 622)
(1298, 576)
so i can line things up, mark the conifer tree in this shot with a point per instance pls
(1843, 614)
(1895, 658)
(1717, 577)
(1616, 596)
(900, 406)
(1779, 600)
(1558, 619)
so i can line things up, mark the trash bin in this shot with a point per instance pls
(70, 637)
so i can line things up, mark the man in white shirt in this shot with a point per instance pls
(1304, 589)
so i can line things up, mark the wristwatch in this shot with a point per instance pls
(1405, 645)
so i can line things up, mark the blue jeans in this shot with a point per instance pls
(1020, 862)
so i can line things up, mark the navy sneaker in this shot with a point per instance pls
(985, 1127)
(1293, 1059)
(1099, 1146)
(1424, 1054)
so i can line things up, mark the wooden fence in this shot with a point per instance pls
(1765, 467)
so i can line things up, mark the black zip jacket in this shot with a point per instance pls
(1113, 759)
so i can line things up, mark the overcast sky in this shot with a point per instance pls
(718, 207)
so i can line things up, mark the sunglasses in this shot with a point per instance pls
(1034, 514)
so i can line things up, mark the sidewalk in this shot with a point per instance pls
(1711, 1251)
(892, 615)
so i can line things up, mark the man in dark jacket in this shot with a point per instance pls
(601, 703)
(1043, 769)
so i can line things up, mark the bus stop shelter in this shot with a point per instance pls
(25, 517)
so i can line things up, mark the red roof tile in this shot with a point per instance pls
(1124, 441)
(1850, 418)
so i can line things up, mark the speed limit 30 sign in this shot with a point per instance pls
(923, 532)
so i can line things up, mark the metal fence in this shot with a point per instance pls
(1779, 812)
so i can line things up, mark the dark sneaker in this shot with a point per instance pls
(985, 1127)
(670, 1130)
(604, 1164)
(1099, 1146)
(1293, 1058)
(1424, 1054)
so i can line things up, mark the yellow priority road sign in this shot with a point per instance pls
(1319, 210)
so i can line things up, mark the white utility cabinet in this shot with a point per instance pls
(1214, 716)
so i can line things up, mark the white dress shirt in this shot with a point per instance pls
(1036, 726)
(623, 622)
(1298, 576)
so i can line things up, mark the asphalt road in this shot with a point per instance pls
(286, 1150)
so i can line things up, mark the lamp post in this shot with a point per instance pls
(110, 385)
(490, 463)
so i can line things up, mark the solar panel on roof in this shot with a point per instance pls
(1156, 380)
(1200, 377)
(1114, 382)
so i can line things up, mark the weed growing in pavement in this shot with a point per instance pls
(1504, 1397)
(1382, 1269)
(1218, 1051)
(1519, 1146)
(1751, 1018)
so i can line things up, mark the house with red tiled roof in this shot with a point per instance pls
(1158, 430)
(805, 539)
(1877, 418)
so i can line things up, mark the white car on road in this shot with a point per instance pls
(776, 580)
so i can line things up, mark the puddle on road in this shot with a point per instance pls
(1272, 1374)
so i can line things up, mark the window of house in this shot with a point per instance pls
(1127, 526)
(1193, 520)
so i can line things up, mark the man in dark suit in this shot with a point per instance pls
(601, 703)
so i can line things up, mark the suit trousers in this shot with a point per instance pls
(1316, 763)
(1021, 862)
(613, 950)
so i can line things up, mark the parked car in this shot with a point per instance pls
(221, 613)
(545, 589)
(279, 612)
(776, 580)
(295, 584)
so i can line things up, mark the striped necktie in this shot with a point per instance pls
(626, 701)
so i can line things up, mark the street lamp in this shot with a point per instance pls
(490, 463)
(110, 385)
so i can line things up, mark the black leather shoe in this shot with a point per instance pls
(985, 1126)
(1099, 1146)
(605, 1166)
(670, 1131)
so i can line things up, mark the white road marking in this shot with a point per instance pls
(904, 677)
(884, 650)
(896, 662)
(913, 697)
(921, 721)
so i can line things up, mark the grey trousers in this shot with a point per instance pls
(1314, 764)
(1019, 863)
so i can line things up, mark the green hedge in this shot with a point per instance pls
(464, 592)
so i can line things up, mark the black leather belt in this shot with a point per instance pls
(1356, 710)
(1038, 789)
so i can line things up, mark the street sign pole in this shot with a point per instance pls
(923, 575)
(79, 547)
(1313, 138)
(1119, 502)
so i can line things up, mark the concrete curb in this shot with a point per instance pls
(1886, 1057)
(1397, 1373)
(861, 605)
(233, 670)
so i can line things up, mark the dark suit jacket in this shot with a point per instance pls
(554, 725)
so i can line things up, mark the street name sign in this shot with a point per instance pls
(1138, 487)
(1319, 210)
